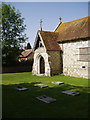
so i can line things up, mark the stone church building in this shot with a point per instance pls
(66, 50)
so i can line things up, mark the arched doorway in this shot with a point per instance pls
(42, 66)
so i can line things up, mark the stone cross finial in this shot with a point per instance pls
(60, 19)
(41, 24)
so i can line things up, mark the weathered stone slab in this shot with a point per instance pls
(41, 85)
(21, 88)
(72, 93)
(58, 83)
(46, 99)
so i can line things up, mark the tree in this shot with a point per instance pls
(28, 46)
(12, 33)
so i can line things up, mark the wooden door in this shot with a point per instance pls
(42, 65)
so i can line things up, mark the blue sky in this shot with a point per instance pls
(49, 12)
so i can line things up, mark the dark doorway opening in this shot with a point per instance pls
(42, 66)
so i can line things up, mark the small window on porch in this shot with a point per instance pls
(41, 45)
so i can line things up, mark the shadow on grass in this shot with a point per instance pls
(23, 104)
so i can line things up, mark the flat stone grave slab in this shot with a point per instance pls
(46, 99)
(41, 85)
(58, 83)
(19, 88)
(72, 93)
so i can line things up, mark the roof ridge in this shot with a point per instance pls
(78, 19)
(71, 22)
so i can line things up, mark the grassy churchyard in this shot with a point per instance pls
(23, 104)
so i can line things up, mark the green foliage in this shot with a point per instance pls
(28, 46)
(12, 33)
(25, 105)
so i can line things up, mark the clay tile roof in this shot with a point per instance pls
(74, 29)
(50, 40)
(26, 53)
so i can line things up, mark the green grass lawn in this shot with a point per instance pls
(23, 104)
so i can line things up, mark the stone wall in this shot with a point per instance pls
(72, 66)
(89, 60)
(54, 61)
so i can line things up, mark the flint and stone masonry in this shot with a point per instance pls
(72, 64)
